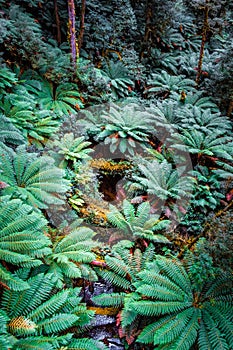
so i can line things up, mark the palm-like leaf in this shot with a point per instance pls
(71, 148)
(71, 256)
(7, 79)
(37, 316)
(164, 60)
(196, 99)
(86, 344)
(138, 223)
(35, 180)
(161, 180)
(123, 264)
(21, 108)
(214, 144)
(22, 240)
(190, 310)
(117, 75)
(164, 84)
(62, 99)
(204, 120)
(9, 133)
(126, 127)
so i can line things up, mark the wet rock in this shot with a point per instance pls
(115, 344)
(102, 320)
(103, 326)
(96, 288)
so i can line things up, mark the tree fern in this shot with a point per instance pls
(204, 120)
(22, 240)
(71, 148)
(159, 179)
(166, 61)
(196, 99)
(9, 134)
(71, 256)
(21, 32)
(38, 316)
(86, 344)
(62, 99)
(123, 267)
(138, 223)
(35, 180)
(188, 312)
(214, 144)
(35, 123)
(126, 128)
(7, 79)
(163, 84)
(117, 75)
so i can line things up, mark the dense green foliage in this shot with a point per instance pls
(131, 137)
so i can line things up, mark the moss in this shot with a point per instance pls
(108, 166)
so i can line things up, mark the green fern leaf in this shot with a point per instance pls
(112, 299)
(152, 308)
(86, 344)
(57, 323)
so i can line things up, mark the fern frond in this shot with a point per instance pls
(148, 333)
(203, 337)
(17, 304)
(174, 327)
(188, 336)
(175, 271)
(159, 292)
(118, 266)
(35, 180)
(57, 323)
(115, 279)
(224, 321)
(50, 307)
(22, 326)
(150, 276)
(86, 344)
(11, 281)
(9, 134)
(112, 299)
(153, 308)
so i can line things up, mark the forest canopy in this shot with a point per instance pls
(116, 174)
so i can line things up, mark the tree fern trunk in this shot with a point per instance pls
(203, 41)
(230, 107)
(72, 32)
(148, 29)
(82, 26)
(58, 24)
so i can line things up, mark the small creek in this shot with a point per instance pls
(103, 327)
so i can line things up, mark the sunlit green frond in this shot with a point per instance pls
(9, 133)
(72, 254)
(163, 83)
(138, 222)
(38, 315)
(86, 344)
(36, 180)
(112, 299)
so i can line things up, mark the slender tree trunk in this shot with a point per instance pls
(58, 24)
(203, 41)
(230, 107)
(72, 32)
(82, 26)
(147, 33)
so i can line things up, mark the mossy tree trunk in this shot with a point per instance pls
(72, 32)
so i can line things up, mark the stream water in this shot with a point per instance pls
(103, 327)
